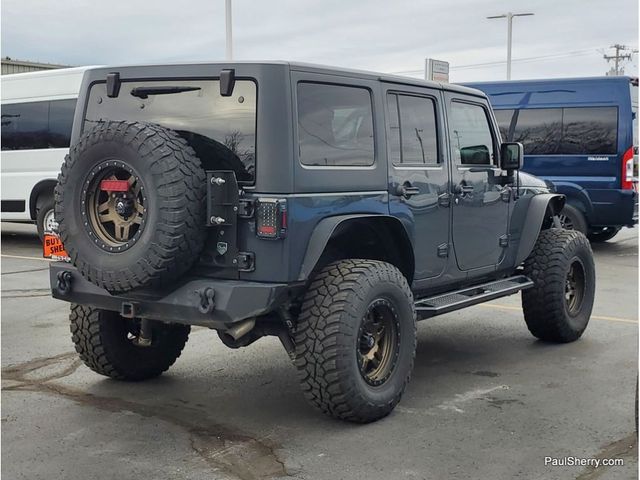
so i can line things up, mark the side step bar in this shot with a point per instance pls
(451, 301)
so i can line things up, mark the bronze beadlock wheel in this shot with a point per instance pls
(574, 287)
(114, 206)
(378, 342)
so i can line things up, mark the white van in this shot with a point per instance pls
(37, 115)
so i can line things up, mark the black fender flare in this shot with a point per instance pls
(323, 232)
(534, 218)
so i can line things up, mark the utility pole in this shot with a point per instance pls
(617, 68)
(229, 33)
(509, 16)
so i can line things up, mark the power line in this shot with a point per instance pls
(519, 60)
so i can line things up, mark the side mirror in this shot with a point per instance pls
(511, 156)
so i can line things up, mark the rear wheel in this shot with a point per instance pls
(573, 219)
(603, 234)
(45, 215)
(111, 345)
(356, 339)
(558, 307)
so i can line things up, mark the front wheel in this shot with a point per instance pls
(558, 307)
(603, 234)
(356, 339)
(110, 344)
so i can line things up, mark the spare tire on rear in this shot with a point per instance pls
(130, 201)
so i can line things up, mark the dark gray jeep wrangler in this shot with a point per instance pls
(330, 208)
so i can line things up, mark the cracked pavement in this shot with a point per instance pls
(486, 399)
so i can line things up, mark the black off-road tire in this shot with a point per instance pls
(100, 337)
(326, 339)
(603, 234)
(174, 223)
(573, 219)
(44, 206)
(546, 309)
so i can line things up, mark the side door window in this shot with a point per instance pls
(471, 138)
(419, 177)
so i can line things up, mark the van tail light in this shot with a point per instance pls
(271, 218)
(627, 170)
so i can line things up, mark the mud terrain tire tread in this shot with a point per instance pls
(178, 234)
(325, 332)
(112, 356)
(544, 304)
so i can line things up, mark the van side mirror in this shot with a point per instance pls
(511, 156)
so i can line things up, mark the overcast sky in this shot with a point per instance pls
(564, 38)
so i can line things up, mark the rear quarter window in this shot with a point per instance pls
(335, 125)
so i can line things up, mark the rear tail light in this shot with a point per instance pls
(271, 218)
(627, 170)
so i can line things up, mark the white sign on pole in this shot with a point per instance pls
(436, 70)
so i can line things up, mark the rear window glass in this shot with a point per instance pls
(335, 125)
(222, 130)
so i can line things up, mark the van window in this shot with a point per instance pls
(539, 130)
(216, 127)
(335, 125)
(471, 137)
(561, 131)
(37, 125)
(504, 117)
(590, 130)
(413, 130)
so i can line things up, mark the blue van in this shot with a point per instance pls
(582, 135)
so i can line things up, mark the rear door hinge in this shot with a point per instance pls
(245, 261)
(503, 241)
(443, 250)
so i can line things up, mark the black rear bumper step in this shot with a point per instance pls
(466, 297)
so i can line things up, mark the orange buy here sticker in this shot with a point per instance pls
(53, 247)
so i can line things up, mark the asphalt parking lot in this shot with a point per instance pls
(487, 401)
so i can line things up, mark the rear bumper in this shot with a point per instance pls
(232, 301)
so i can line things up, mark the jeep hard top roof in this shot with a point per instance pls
(171, 69)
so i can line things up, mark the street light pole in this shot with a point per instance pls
(229, 33)
(509, 16)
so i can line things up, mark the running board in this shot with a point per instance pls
(451, 301)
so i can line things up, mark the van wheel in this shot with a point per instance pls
(110, 344)
(45, 216)
(558, 307)
(356, 339)
(573, 219)
(603, 234)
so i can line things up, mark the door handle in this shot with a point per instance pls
(463, 189)
(407, 190)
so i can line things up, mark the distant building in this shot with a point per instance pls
(22, 66)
